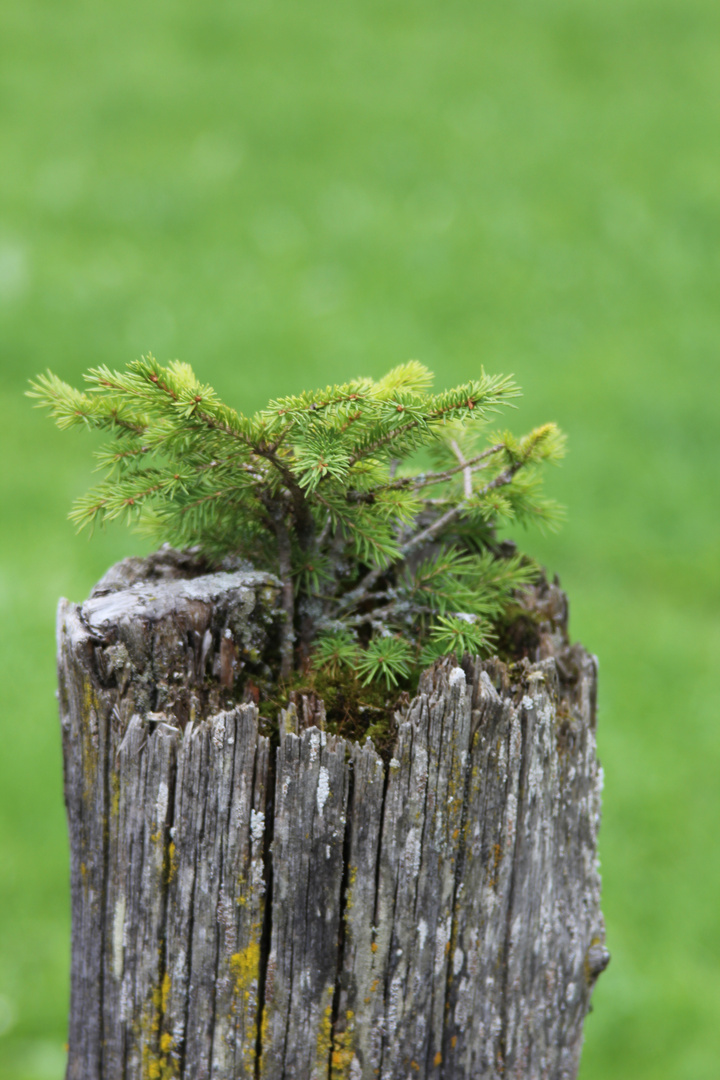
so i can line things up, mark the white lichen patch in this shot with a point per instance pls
(420, 768)
(422, 934)
(395, 1003)
(394, 763)
(118, 937)
(502, 765)
(323, 788)
(457, 677)
(535, 777)
(314, 743)
(162, 803)
(257, 825)
(515, 739)
(179, 967)
(510, 818)
(412, 852)
(441, 942)
(546, 713)
(462, 1006)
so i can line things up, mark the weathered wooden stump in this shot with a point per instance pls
(308, 911)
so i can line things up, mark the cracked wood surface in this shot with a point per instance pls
(244, 910)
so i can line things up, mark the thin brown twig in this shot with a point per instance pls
(428, 533)
(426, 479)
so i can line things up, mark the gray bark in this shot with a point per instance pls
(307, 911)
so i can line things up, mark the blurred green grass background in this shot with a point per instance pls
(287, 194)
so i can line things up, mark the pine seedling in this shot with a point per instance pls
(457, 635)
(380, 562)
(385, 658)
(335, 652)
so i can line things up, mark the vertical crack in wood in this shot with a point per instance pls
(342, 907)
(376, 903)
(286, 1034)
(459, 872)
(266, 930)
(190, 934)
(376, 897)
(426, 848)
(165, 890)
(388, 965)
(520, 810)
(107, 728)
(223, 830)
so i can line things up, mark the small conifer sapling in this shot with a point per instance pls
(384, 566)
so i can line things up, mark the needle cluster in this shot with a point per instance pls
(384, 565)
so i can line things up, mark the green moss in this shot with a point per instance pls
(352, 711)
(517, 634)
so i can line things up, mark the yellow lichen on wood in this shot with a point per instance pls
(171, 862)
(264, 1032)
(324, 1035)
(349, 894)
(245, 971)
(90, 700)
(335, 1048)
(245, 967)
(157, 1064)
(342, 1052)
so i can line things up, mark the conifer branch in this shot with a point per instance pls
(372, 574)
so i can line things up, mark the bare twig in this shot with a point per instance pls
(466, 469)
(447, 518)
(426, 479)
(429, 533)
(325, 531)
(288, 593)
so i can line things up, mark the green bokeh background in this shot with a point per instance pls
(287, 194)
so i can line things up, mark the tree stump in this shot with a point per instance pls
(305, 910)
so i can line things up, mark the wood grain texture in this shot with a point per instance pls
(305, 910)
